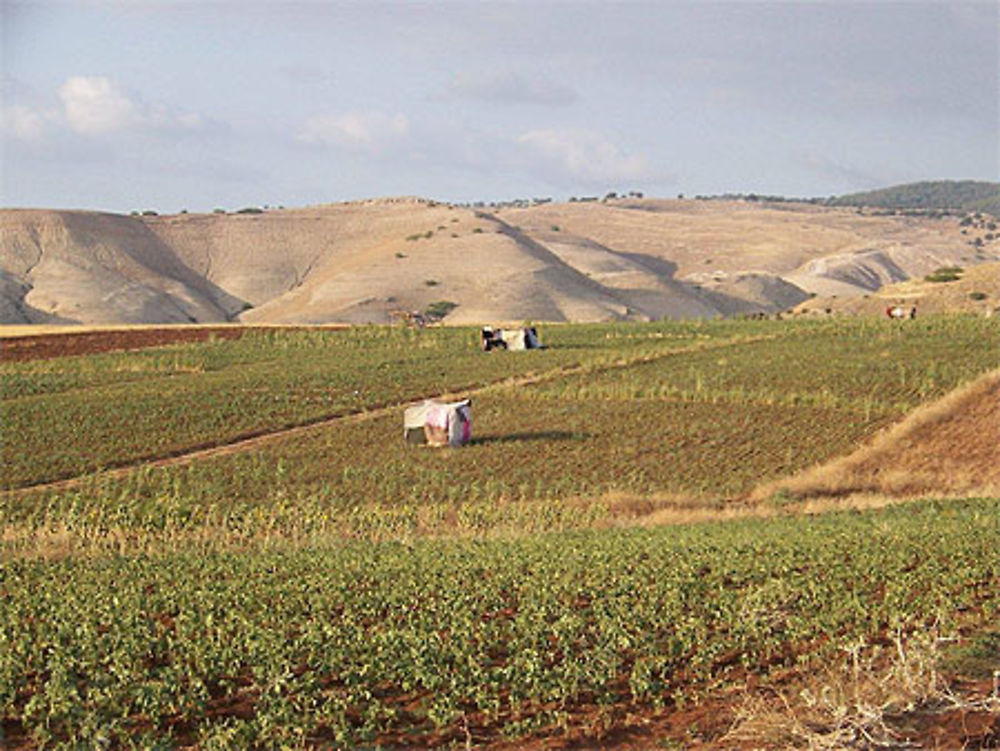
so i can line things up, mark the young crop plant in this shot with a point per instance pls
(432, 641)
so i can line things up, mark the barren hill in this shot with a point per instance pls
(365, 261)
(975, 289)
(77, 266)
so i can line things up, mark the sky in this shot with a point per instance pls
(146, 105)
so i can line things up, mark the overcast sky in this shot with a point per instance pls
(196, 105)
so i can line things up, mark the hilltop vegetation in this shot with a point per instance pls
(963, 195)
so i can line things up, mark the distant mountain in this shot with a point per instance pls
(964, 195)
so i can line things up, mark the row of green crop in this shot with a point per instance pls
(265, 382)
(108, 410)
(861, 366)
(569, 437)
(348, 480)
(332, 347)
(397, 643)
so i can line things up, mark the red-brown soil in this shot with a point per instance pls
(48, 346)
(65, 344)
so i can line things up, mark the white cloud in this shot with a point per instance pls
(368, 131)
(510, 87)
(581, 155)
(95, 105)
(22, 122)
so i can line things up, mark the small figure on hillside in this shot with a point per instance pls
(913, 312)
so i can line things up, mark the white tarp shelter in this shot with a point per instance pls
(511, 339)
(438, 424)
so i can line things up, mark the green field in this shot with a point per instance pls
(335, 586)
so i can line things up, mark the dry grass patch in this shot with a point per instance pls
(879, 696)
(949, 446)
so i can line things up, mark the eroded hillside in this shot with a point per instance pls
(369, 261)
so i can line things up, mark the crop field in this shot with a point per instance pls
(76, 415)
(332, 586)
(426, 642)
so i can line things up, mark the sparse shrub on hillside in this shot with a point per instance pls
(555, 227)
(978, 295)
(438, 310)
(149, 212)
(478, 230)
(133, 213)
(945, 274)
(218, 211)
(250, 210)
(431, 282)
(400, 255)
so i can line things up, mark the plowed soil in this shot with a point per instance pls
(65, 344)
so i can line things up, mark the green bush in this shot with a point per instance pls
(945, 274)
(978, 295)
(441, 308)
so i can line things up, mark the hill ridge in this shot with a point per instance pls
(367, 261)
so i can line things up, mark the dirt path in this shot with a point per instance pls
(251, 442)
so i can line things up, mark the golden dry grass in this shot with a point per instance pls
(951, 446)
(858, 702)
